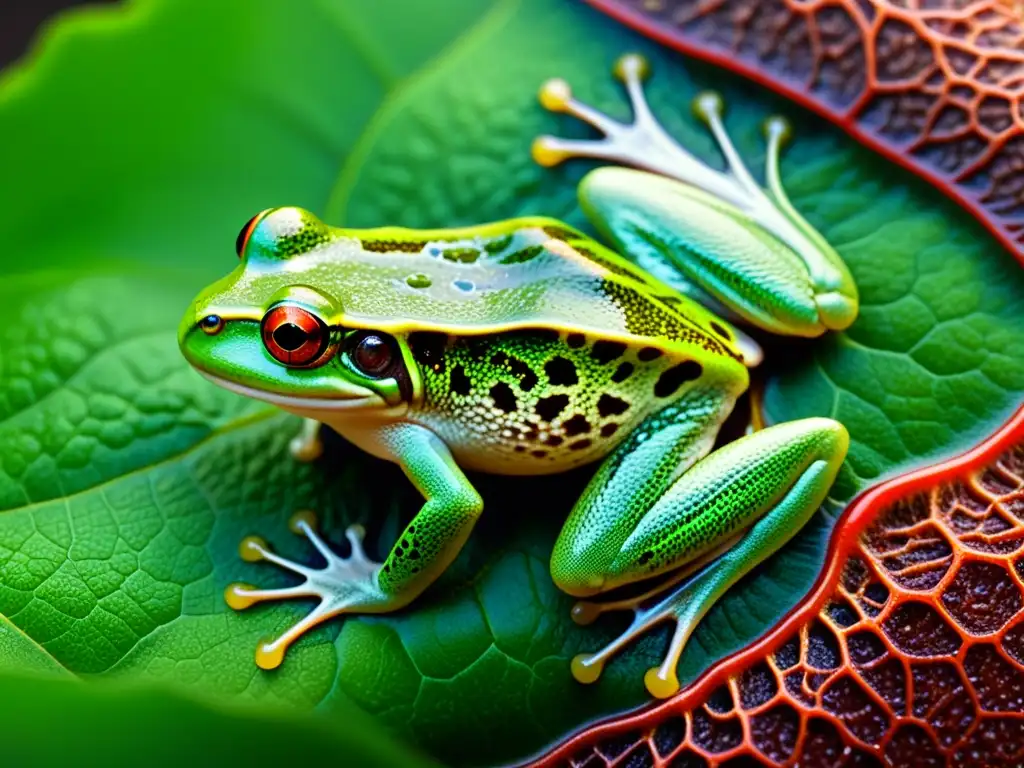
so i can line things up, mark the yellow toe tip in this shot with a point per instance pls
(585, 669)
(304, 450)
(658, 686)
(235, 595)
(632, 65)
(302, 518)
(708, 104)
(585, 613)
(269, 655)
(544, 153)
(778, 128)
(251, 549)
(555, 95)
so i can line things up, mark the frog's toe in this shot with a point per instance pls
(343, 585)
(307, 445)
(661, 683)
(675, 606)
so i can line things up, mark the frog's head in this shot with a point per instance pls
(266, 332)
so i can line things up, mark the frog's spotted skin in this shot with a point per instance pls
(534, 402)
(525, 347)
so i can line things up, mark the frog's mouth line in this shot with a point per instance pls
(297, 403)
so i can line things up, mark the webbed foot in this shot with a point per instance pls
(344, 585)
(661, 681)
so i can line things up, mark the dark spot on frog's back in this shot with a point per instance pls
(549, 407)
(623, 372)
(428, 348)
(560, 233)
(504, 398)
(646, 354)
(671, 380)
(577, 425)
(545, 334)
(609, 405)
(390, 246)
(561, 371)
(523, 255)
(461, 255)
(460, 383)
(606, 351)
(521, 370)
(575, 340)
(721, 331)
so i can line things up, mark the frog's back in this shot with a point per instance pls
(522, 273)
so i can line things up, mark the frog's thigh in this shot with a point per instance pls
(629, 483)
(757, 276)
(778, 476)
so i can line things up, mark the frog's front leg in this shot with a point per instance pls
(734, 244)
(753, 494)
(356, 584)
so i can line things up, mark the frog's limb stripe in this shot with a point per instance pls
(770, 482)
(357, 584)
(710, 208)
(307, 445)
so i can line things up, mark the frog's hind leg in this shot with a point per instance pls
(755, 494)
(745, 246)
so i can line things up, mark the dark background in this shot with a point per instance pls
(20, 19)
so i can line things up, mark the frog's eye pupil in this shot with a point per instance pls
(243, 235)
(372, 354)
(295, 336)
(290, 336)
(212, 324)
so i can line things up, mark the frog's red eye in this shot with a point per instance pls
(246, 232)
(294, 336)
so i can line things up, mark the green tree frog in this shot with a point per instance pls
(524, 347)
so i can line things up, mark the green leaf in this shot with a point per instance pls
(140, 138)
(21, 653)
(52, 722)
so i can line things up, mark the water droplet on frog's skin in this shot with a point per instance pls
(463, 285)
(435, 251)
(419, 280)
